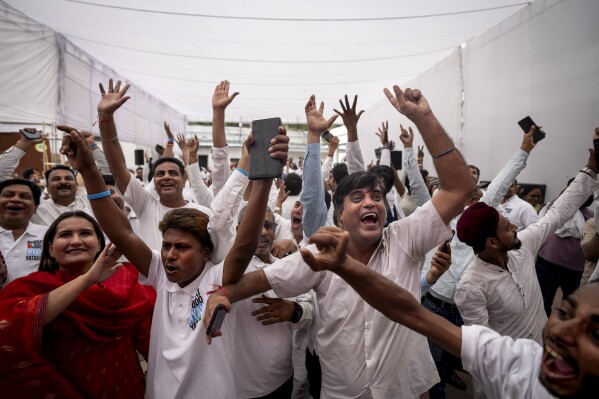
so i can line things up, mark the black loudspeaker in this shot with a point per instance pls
(139, 157)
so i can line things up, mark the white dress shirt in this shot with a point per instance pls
(519, 212)
(22, 256)
(363, 354)
(48, 211)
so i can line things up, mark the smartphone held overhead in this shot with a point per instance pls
(31, 134)
(262, 165)
(326, 136)
(526, 124)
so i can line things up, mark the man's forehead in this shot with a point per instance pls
(17, 188)
(168, 166)
(367, 189)
(60, 172)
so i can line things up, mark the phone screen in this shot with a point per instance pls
(31, 134)
(526, 124)
(326, 136)
(396, 159)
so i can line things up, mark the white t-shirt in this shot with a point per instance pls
(505, 369)
(180, 363)
(150, 212)
(22, 256)
(263, 353)
(362, 353)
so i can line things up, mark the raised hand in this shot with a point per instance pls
(439, 264)
(420, 155)
(407, 138)
(332, 244)
(193, 145)
(167, 129)
(349, 116)
(106, 265)
(221, 98)
(76, 149)
(410, 103)
(283, 194)
(279, 145)
(112, 99)
(333, 145)
(315, 119)
(277, 310)
(384, 133)
(282, 248)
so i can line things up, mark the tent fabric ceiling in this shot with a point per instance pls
(275, 53)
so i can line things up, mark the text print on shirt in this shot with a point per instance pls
(195, 315)
(34, 250)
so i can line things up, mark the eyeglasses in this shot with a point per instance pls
(270, 225)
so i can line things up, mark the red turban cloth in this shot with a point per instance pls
(477, 223)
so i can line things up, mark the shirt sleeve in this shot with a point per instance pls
(327, 165)
(220, 169)
(353, 154)
(101, 161)
(385, 157)
(505, 368)
(307, 304)
(505, 178)
(418, 190)
(291, 276)
(135, 195)
(201, 192)
(225, 206)
(312, 196)
(9, 160)
(562, 210)
(155, 272)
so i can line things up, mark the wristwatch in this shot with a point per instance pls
(297, 313)
(589, 172)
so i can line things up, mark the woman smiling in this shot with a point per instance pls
(72, 329)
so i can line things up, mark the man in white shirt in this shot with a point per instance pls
(499, 288)
(267, 341)
(62, 186)
(566, 366)
(516, 210)
(363, 354)
(20, 239)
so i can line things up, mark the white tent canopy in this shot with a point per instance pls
(482, 64)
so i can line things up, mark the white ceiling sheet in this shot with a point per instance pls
(275, 53)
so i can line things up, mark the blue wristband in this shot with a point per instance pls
(99, 195)
(170, 141)
(243, 172)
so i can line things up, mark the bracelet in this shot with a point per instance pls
(171, 141)
(218, 288)
(589, 172)
(243, 172)
(99, 195)
(100, 121)
(444, 152)
(115, 138)
(171, 144)
(277, 209)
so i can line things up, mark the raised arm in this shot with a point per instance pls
(113, 222)
(248, 231)
(312, 197)
(355, 161)
(112, 100)
(454, 176)
(510, 171)
(381, 293)
(168, 150)
(182, 143)
(418, 190)
(10, 158)
(201, 192)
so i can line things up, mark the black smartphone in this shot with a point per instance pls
(396, 159)
(216, 321)
(262, 166)
(326, 136)
(31, 134)
(526, 124)
(445, 247)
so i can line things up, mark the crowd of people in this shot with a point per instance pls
(339, 280)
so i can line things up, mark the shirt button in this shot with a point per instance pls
(367, 327)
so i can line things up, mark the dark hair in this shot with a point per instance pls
(28, 172)
(190, 221)
(293, 183)
(109, 180)
(353, 182)
(170, 159)
(528, 188)
(339, 171)
(36, 192)
(477, 169)
(57, 167)
(385, 173)
(47, 262)
(327, 199)
(242, 212)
